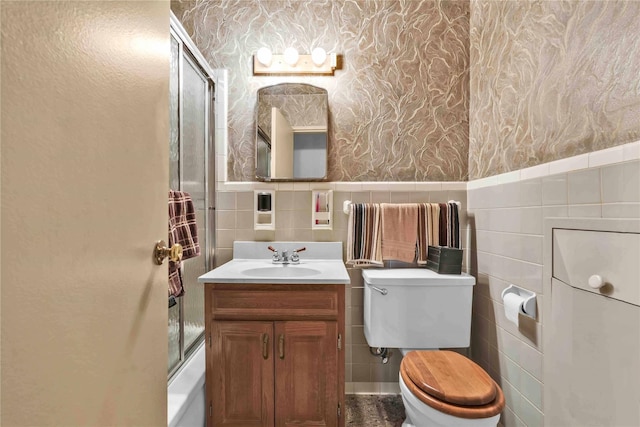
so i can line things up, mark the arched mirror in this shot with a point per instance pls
(291, 137)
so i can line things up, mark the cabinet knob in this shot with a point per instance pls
(596, 281)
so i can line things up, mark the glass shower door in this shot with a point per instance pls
(190, 141)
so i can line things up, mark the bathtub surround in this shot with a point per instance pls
(398, 103)
(186, 399)
(550, 80)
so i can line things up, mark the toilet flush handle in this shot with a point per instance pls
(383, 291)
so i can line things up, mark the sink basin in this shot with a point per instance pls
(281, 271)
(321, 263)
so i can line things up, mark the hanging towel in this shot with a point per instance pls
(453, 228)
(443, 224)
(424, 232)
(363, 235)
(183, 230)
(449, 236)
(399, 231)
(434, 237)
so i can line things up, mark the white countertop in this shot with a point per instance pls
(331, 272)
(322, 261)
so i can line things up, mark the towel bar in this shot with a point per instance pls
(346, 205)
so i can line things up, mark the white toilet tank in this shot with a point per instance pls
(417, 308)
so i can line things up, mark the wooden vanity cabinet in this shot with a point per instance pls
(275, 355)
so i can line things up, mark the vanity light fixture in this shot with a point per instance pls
(318, 56)
(264, 56)
(318, 62)
(291, 56)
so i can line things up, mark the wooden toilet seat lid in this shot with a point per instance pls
(449, 377)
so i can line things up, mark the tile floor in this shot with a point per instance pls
(365, 410)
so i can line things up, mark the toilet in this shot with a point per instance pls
(420, 311)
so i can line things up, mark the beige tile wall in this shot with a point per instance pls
(506, 223)
(364, 372)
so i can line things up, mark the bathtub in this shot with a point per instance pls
(186, 393)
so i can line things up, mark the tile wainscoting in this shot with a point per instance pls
(502, 220)
(364, 372)
(506, 215)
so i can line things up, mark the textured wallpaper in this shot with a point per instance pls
(399, 105)
(551, 79)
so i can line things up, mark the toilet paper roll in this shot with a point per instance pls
(512, 306)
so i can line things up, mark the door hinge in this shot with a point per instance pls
(210, 409)
(339, 411)
(339, 341)
(209, 340)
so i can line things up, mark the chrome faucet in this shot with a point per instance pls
(276, 257)
(283, 258)
(279, 258)
(295, 258)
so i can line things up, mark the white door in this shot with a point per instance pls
(281, 145)
(84, 198)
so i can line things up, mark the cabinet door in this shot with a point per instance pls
(306, 373)
(242, 365)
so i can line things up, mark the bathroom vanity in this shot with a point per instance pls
(275, 336)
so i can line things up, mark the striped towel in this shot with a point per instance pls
(429, 230)
(364, 246)
(443, 224)
(453, 225)
(424, 232)
(449, 225)
(434, 224)
(183, 230)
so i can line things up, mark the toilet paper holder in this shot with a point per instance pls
(528, 306)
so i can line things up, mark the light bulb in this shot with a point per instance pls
(291, 56)
(264, 56)
(318, 56)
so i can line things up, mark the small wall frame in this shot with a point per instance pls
(264, 210)
(322, 210)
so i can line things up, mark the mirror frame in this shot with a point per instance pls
(289, 89)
